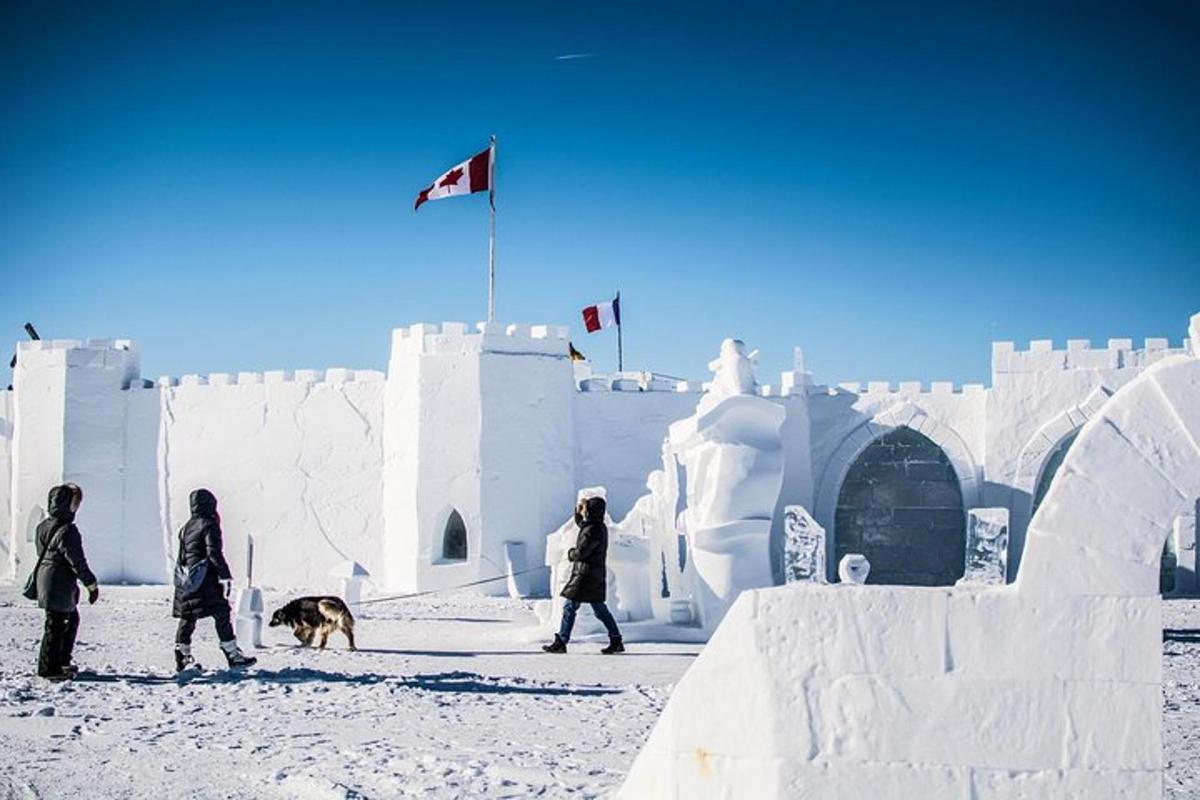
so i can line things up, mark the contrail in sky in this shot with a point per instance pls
(573, 56)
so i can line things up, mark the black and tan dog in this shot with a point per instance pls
(309, 616)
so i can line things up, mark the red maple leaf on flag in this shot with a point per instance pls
(452, 177)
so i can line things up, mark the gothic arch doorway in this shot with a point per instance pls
(901, 506)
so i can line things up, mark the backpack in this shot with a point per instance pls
(188, 580)
(30, 592)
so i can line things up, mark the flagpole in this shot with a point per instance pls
(620, 348)
(492, 231)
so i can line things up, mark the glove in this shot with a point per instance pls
(227, 587)
(93, 593)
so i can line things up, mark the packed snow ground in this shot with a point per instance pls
(448, 697)
(1181, 698)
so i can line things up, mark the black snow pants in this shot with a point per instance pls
(187, 626)
(58, 642)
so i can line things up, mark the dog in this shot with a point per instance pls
(309, 616)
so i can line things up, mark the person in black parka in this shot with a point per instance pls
(200, 542)
(62, 566)
(588, 582)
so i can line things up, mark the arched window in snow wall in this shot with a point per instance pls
(1052, 464)
(901, 506)
(454, 538)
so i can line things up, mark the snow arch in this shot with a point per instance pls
(907, 415)
(880, 691)
(1036, 453)
(1133, 469)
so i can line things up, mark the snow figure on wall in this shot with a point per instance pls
(732, 452)
(733, 374)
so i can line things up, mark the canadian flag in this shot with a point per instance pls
(602, 315)
(472, 175)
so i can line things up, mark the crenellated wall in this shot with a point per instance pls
(1039, 397)
(491, 421)
(479, 423)
(295, 459)
(846, 418)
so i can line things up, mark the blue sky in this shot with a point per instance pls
(890, 187)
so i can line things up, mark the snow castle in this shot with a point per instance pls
(471, 448)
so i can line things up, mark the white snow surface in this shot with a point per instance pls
(449, 696)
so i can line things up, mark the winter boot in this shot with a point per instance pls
(557, 646)
(614, 646)
(183, 658)
(236, 657)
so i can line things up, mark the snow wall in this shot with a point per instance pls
(294, 458)
(479, 429)
(1002, 692)
(492, 423)
(6, 437)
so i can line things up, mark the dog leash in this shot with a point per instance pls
(411, 595)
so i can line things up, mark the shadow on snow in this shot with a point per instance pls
(473, 683)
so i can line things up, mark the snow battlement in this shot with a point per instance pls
(219, 379)
(119, 358)
(635, 382)
(41, 345)
(791, 384)
(1079, 354)
(935, 388)
(427, 338)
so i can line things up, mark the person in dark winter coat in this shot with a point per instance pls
(588, 582)
(62, 566)
(200, 544)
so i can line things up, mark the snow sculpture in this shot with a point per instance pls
(656, 585)
(248, 622)
(563, 539)
(732, 452)
(517, 570)
(803, 547)
(854, 568)
(733, 374)
(987, 546)
(557, 546)
(248, 619)
(350, 575)
(878, 691)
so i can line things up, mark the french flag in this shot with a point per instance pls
(602, 315)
